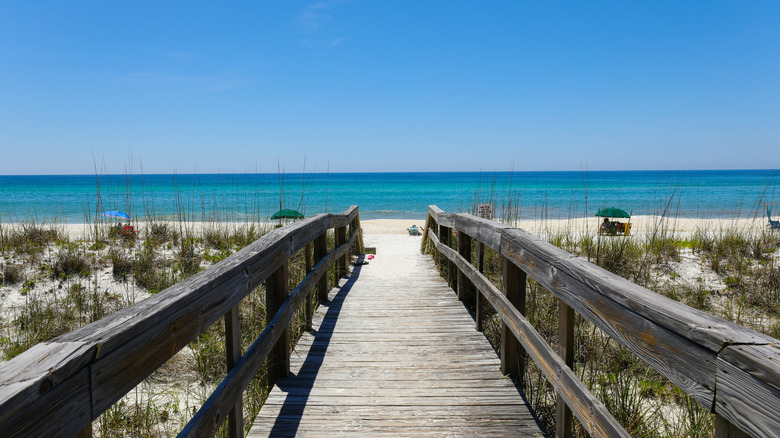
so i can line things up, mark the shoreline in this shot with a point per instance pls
(640, 225)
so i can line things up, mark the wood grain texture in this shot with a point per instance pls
(63, 412)
(232, 354)
(712, 332)
(428, 224)
(309, 311)
(341, 263)
(563, 419)
(208, 419)
(441, 218)
(35, 372)
(275, 296)
(593, 415)
(114, 354)
(512, 355)
(320, 250)
(464, 249)
(394, 355)
(695, 350)
(724, 429)
(748, 394)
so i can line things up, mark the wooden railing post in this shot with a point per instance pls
(84, 433)
(464, 249)
(428, 224)
(309, 306)
(357, 248)
(480, 268)
(724, 429)
(563, 422)
(276, 293)
(445, 235)
(320, 250)
(232, 355)
(341, 263)
(512, 354)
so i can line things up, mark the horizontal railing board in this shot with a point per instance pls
(484, 230)
(119, 351)
(593, 415)
(682, 361)
(64, 412)
(442, 218)
(760, 361)
(208, 419)
(38, 370)
(747, 388)
(345, 218)
(705, 329)
(690, 347)
(199, 305)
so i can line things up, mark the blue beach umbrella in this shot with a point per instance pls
(115, 213)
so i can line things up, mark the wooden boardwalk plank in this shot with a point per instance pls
(394, 353)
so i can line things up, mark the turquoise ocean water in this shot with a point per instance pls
(238, 197)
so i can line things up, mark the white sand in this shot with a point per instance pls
(639, 225)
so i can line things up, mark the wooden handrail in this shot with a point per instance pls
(592, 413)
(207, 420)
(58, 387)
(731, 370)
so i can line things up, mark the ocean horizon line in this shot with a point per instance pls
(776, 170)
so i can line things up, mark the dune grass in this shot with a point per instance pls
(66, 283)
(745, 266)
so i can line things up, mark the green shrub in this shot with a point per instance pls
(187, 258)
(121, 263)
(12, 274)
(69, 262)
(159, 232)
(150, 271)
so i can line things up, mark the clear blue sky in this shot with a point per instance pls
(388, 86)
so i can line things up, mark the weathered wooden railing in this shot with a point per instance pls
(58, 387)
(732, 371)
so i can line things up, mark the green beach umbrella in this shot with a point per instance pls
(287, 213)
(612, 212)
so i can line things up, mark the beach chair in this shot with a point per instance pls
(128, 232)
(773, 225)
(413, 230)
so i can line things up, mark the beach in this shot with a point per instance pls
(640, 226)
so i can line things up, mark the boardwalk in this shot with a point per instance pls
(394, 354)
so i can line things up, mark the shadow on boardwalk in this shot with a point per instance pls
(292, 411)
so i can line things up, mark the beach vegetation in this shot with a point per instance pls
(12, 274)
(70, 261)
(121, 263)
(730, 272)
